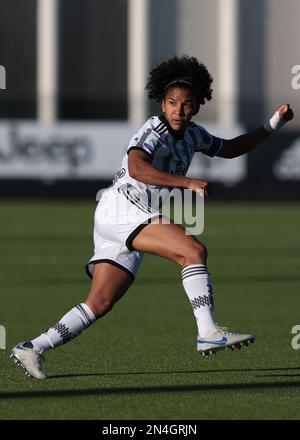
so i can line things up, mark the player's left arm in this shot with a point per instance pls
(242, 144)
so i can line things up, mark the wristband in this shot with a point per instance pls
(275, 123)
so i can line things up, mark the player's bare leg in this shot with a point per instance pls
(108, 286)
(176, 245)
(171, 241)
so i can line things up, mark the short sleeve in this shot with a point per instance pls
(204, 141)
(145, 139)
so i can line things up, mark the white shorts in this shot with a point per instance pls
(119, 217)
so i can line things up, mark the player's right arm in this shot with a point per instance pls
(140, 168)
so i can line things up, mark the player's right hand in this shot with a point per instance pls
(195, 185)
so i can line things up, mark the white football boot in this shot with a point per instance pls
(31, 360)
(222, 339)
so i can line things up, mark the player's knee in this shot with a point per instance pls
(102, 305)
(198, 252)
(195, 254)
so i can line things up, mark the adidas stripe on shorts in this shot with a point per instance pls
(120, 215)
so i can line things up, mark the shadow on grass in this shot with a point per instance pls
(136, 373)
(105, 391)
(278, 375)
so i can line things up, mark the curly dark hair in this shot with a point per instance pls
(184, 67)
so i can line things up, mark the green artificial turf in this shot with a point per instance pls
(140, 361)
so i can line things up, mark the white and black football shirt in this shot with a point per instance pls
(169, 153)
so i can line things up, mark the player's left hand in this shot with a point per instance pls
(285, 112)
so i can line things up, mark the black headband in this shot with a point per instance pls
(180, 81)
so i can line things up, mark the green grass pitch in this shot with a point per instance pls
(140, 361)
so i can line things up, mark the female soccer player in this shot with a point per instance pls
(127, 226)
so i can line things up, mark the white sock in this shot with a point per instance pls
(197, 284)
(70, 325)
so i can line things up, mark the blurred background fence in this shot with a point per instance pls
(72, 89)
